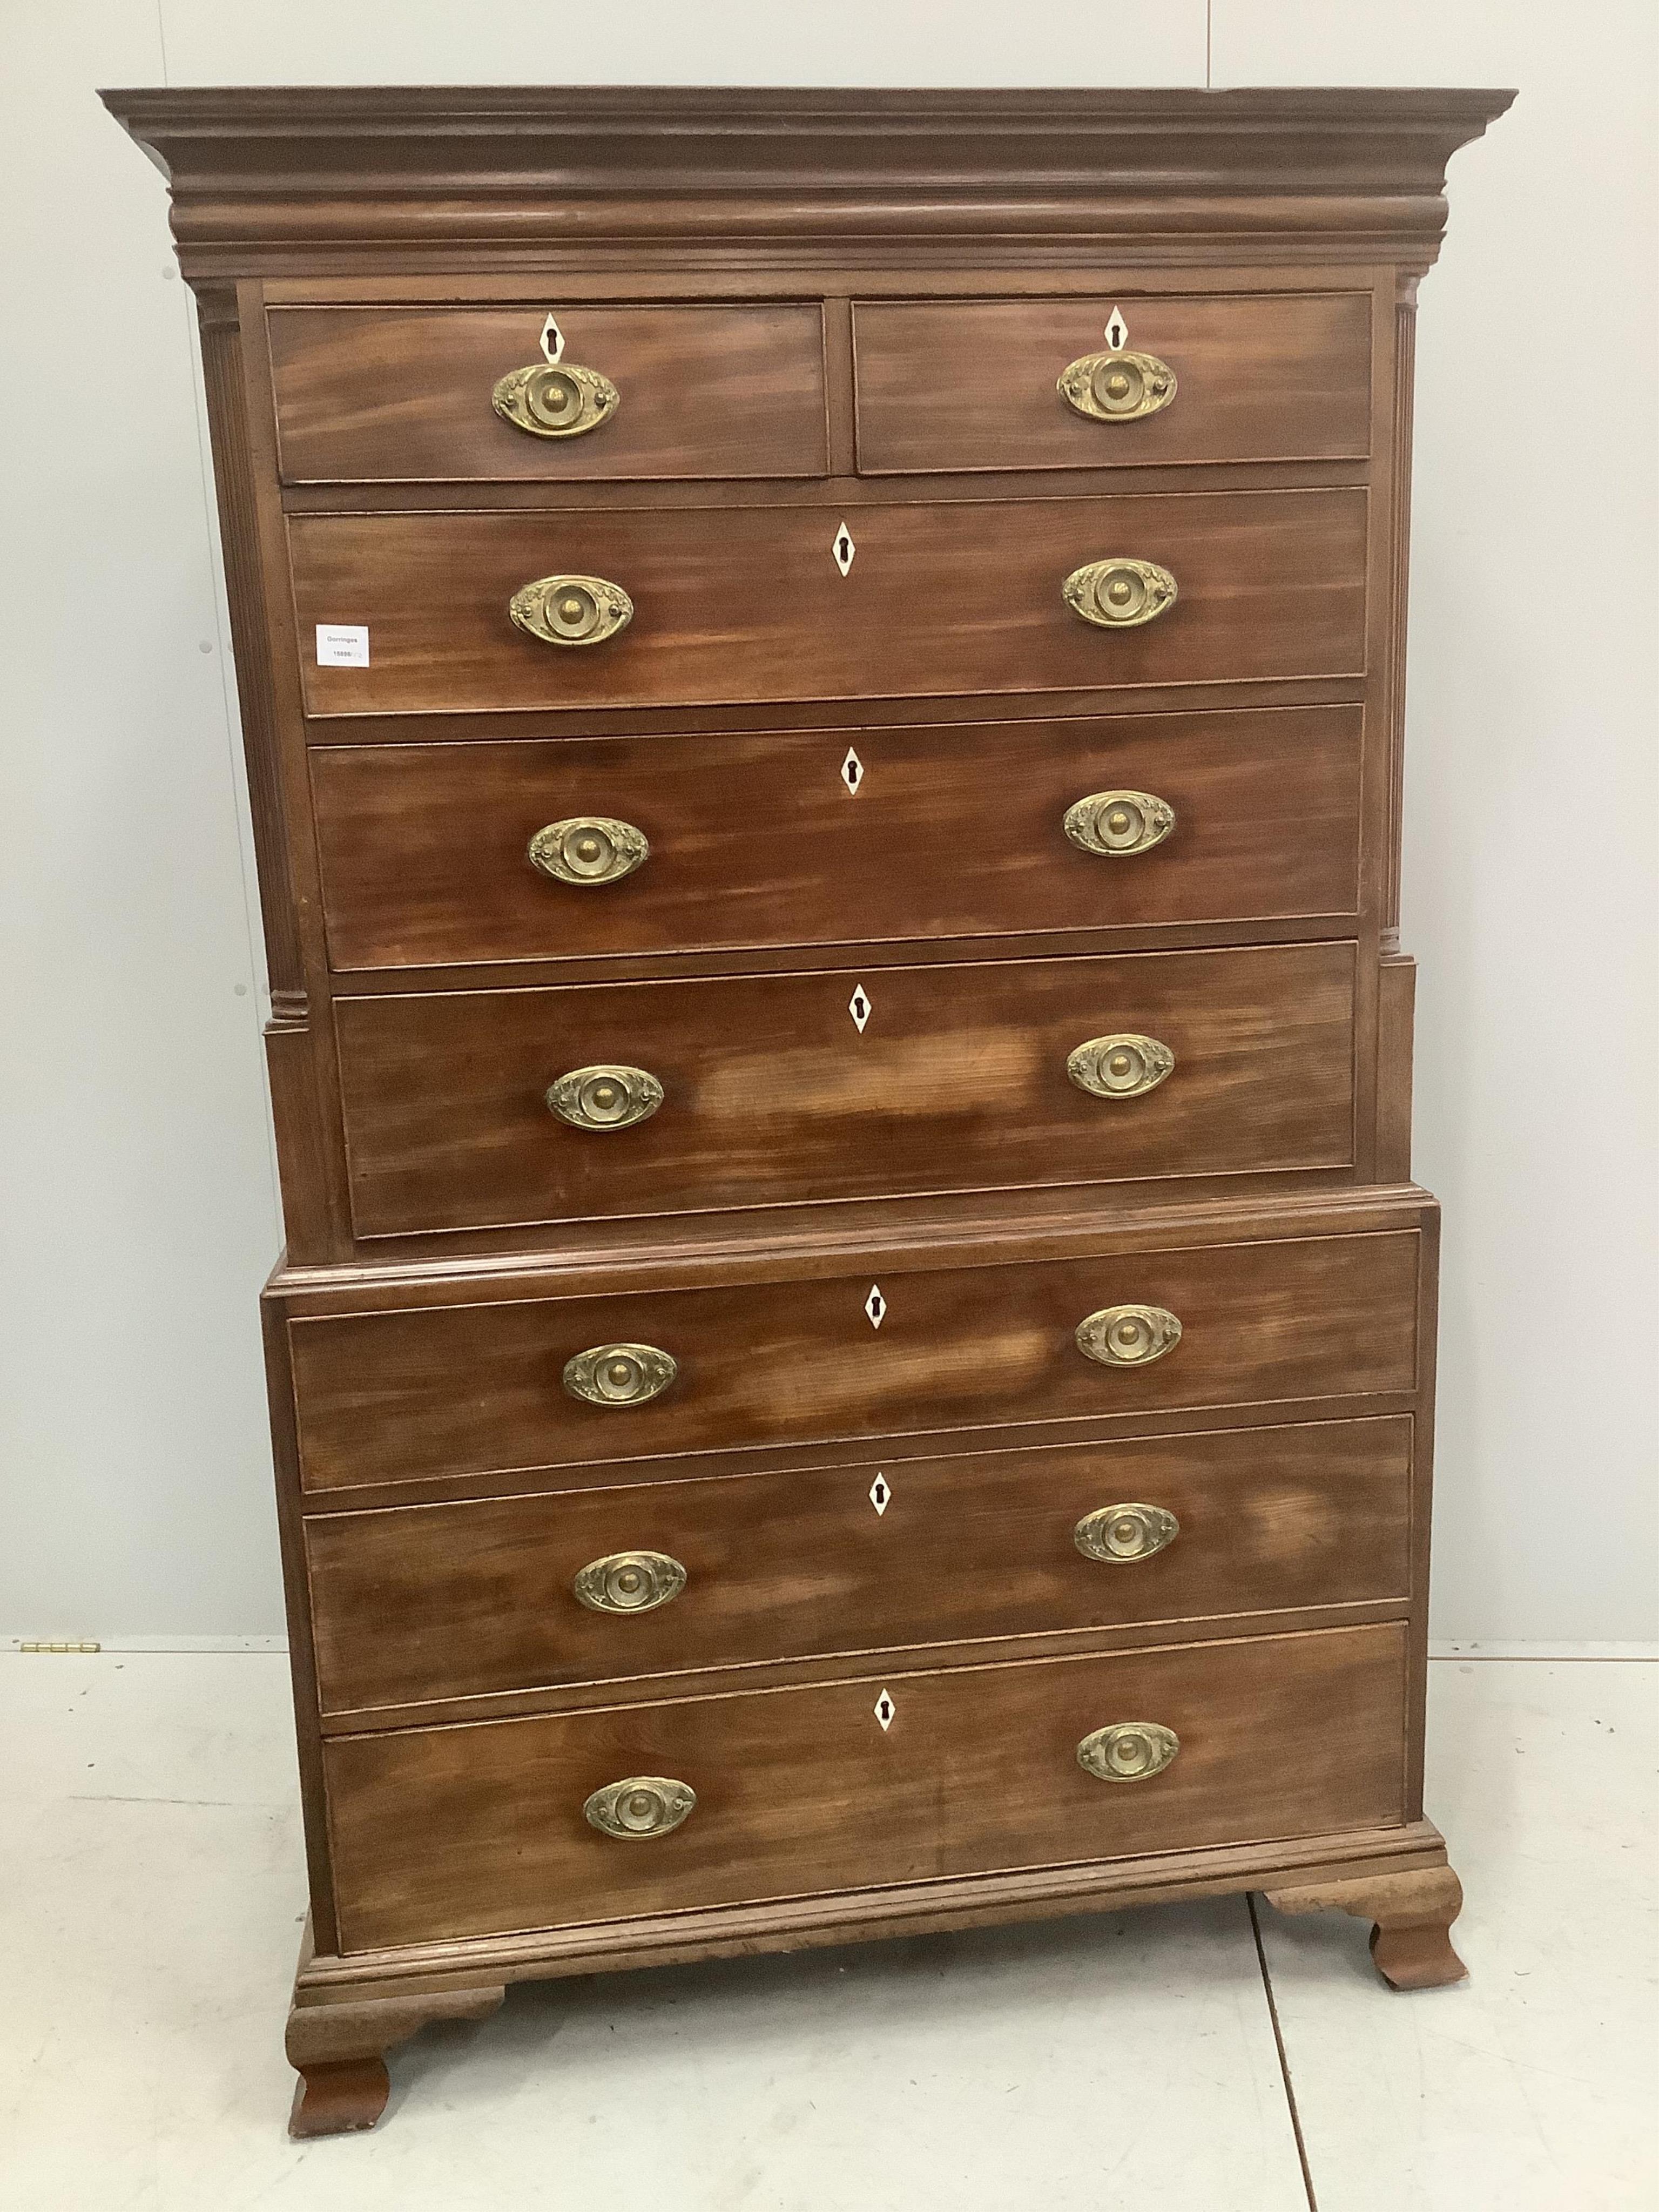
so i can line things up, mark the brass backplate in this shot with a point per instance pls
(1117, 387)
(619, 1374)
(556, 400)
(1119, 823)
(1122, 1067)
(605, 1097)
(1119, 592)
(571, 610)
(589, 849)
(1118, 1535)
(640, 1807)
(629, 1582)
(1128, 1750)
(1127, 1336)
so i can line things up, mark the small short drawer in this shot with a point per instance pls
(446, 1832)
(417, 1603)
(835, 837)
(387, 395)
(796, 1089)
(732, 605)
(476, 1385)
(973, 384)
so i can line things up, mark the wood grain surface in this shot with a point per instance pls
(402, 394)
(746, 603)
(461, 1388)
(951, 832)
(773, 1096)
(423, 1602)
(971, 384)
(469, 1830)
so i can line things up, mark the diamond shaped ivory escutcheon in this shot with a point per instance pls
(881, 1493)
(552, 341)
(884, 1710)
(875, 1306)
(852, 771)
(1117, 332)
(859, 1007)
(843, 549)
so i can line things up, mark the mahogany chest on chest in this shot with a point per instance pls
(823, 684)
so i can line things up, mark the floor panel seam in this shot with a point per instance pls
(1278, 2045)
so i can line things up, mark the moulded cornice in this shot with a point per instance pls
(333, 180)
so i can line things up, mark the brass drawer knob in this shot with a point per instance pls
(571, 610)
(1118, 592)
(1118, 1535)
(1119, 1066)
(605, 1097)
(1127, 1336)
(619, 1374)
(629, 1582)
(642, 1806)
(1117, 387)
(588, 848)
(1128, 1750)
(1117, 823)
(554, 398)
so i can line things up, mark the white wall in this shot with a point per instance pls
(138, 1195)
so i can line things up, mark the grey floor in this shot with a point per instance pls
(151, 1904)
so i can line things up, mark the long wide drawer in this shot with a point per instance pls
(973, 384)
(733, 604)
(795, 1089)
(828, 837)
(405, 394)
(429, 1392)
(416, 1603)
(480, 1830)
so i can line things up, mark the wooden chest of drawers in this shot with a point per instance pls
(822, 685)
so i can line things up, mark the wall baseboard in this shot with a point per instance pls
(1440, 1648)
(108, 1644)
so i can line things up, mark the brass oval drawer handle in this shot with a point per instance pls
(1117, 823)
(1119, 592)
(619, 1374)
(589, 849)
(640, 1807)
(605, 1097)
(1118, 1535)
(1125, 1067)
(571, 610)
(1128, 1750)
(1127, 1336)
(1117, 387)
(556, 400)
(629, 1582)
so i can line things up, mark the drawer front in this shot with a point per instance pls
(974, 384)
(793, 1089)
(380, 395)
(436, 1392)
(828, 837)
(434, 1601)
(474, 1830)
(748, 604)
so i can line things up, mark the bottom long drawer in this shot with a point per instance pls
(479, 1830)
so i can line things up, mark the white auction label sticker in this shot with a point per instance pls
(342, 645)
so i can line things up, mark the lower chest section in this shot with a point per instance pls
(912, 1571)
